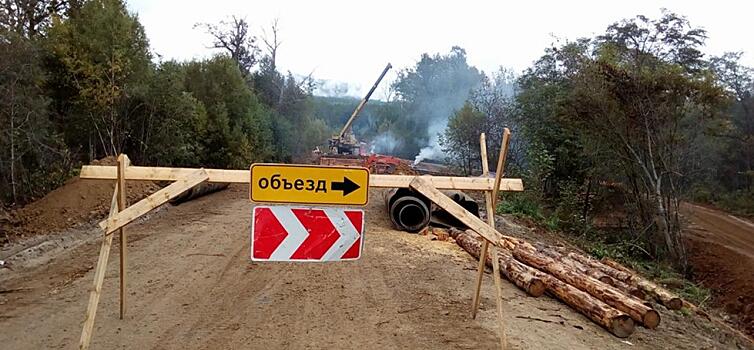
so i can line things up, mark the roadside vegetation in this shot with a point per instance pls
(610, 133)
(618, 129)
(79, 81)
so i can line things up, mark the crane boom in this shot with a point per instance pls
(363, 102)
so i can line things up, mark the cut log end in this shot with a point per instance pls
(622, 326)
(651, 319)
(536, 288)
(638, 294)
(674, 303)
(607, 279)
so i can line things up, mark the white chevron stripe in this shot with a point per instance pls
(348, 234)
(297, 233)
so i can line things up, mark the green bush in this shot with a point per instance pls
(739, 202)
(521, 204)
(695, 294)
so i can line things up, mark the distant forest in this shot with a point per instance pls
(637, 113)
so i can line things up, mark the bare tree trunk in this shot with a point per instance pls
(675, 225)
(12, 157)
(113, 117)
(587, 202)
(662, 221)
(12, 116)
(91, 149)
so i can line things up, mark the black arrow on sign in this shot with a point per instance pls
(347, 186)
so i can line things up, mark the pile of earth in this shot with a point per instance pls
(75, 203)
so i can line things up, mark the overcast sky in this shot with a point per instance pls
(351, 41)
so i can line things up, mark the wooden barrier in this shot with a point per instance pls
(99, 278)
(186, 178)
(121, 215)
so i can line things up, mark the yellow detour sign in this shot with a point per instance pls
(309, 184)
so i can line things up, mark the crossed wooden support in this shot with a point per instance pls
(487, 231)
(120, 216)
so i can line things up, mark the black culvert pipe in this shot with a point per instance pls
(441, 218)
(200, 190)
(408, 210)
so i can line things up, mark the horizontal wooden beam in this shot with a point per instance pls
(243, 176)
(446, 182)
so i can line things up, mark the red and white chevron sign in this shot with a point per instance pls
(284, 233)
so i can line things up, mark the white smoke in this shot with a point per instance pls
(333, 88)
(430, 152)
(433, 149)
(385, 143)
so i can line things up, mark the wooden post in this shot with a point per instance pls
(490, 211)
(99, 278)
(499, 298)
(501, 164)
(485, 243)
(490, 206)
(123, 162)
(480, 274)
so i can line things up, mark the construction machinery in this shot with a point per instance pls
(346, 150)
(345, 142)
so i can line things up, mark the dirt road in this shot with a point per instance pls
(192, 286)
(721, 254)
(721, 228)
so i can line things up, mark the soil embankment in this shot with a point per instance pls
(721, 254)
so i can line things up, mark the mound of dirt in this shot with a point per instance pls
(76, 202)
(729, 275)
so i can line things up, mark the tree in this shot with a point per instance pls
(737, 132)
(614, 107)
(268, 81)
(296, 128)
(29, 18)
(175, 122)
(104, 61)
(429, 93)
(234, 38)
(495, 98)
(32, 160)
(460, 142)
(554, 153)
(272, 44)
(239, 127)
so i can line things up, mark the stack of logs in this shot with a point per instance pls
(605, 291)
